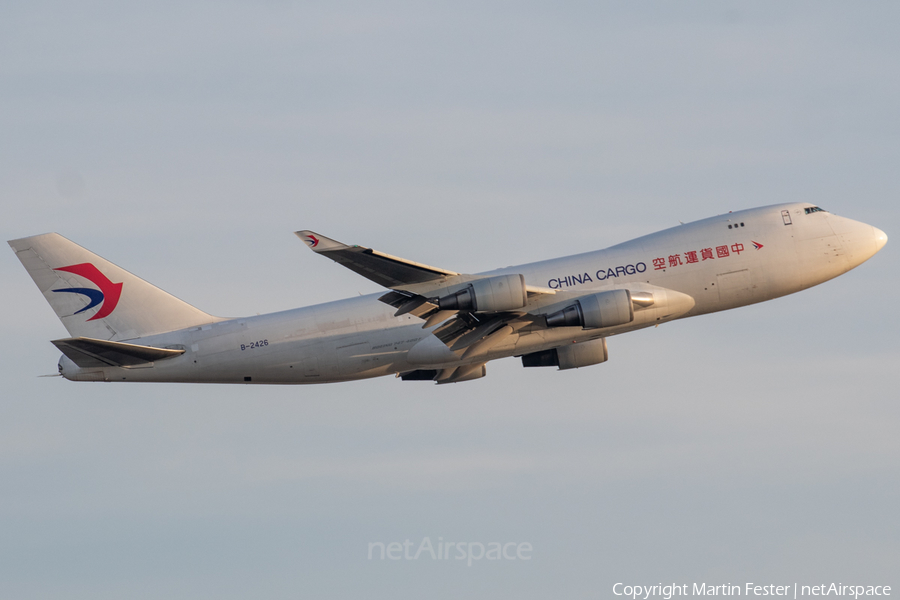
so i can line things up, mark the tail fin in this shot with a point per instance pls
(94, 298)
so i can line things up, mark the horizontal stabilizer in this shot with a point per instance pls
(88, 352)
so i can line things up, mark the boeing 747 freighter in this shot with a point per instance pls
(435, 324)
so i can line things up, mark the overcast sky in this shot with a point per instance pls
(186, 141)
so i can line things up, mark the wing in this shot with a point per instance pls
(416, 287)
(391, 271)
(384, 269)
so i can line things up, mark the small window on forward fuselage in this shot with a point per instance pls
(813, 209)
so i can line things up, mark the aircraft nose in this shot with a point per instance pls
(880, 239)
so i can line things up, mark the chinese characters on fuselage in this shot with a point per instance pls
(690, 256)
(659, 264)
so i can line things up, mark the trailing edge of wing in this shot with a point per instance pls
(89, 352)
(384, 269)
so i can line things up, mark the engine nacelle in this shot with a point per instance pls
(606, 309)
(570, 356)
(463, 373)
(504, 292)
(584, 354)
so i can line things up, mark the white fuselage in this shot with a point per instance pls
(715, 264)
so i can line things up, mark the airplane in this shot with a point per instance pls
(433, 324)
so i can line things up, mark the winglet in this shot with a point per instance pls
(318, 242)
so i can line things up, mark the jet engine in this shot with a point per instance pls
(504, 292)
(606, 309)
(570, 356)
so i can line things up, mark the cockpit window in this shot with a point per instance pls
(813, 209)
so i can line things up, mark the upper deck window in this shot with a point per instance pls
(813, 209)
